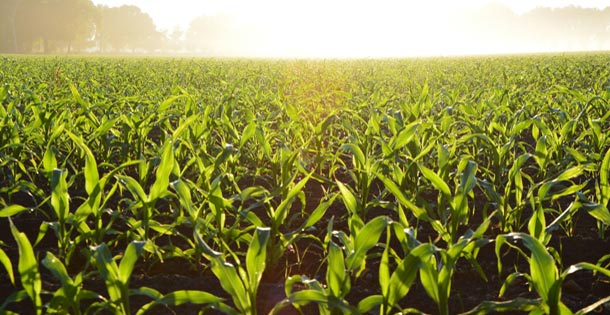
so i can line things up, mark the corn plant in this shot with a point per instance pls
(28, 272)
(68, 298)
(144, 206)
(436, 272)
(343, 263)
(395, 285)
(544, 277)
(241, 283)
(116, 277)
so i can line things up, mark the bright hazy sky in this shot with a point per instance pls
(381, 21)
(169, 14)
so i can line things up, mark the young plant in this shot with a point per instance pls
(68, 298)
(28, 271)
(116, 277)
(343, 263)
(143, 208)
(436, 276)
(396, 285)
(544, 276)
(241, 283)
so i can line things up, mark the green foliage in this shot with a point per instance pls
(317, 174)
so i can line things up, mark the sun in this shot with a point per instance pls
(341, 29)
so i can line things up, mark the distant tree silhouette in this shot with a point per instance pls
(53, 25)
(126, 27)
(49, 26)
(8, 38)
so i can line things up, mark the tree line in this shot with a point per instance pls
(77, 26)
(71, 26)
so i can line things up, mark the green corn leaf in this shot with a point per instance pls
(186, 296)
(510, 280)
(541, 152)
(77, 97)
(59, 194)
(57, 268)
(369, 302)
(569, 191)
(88, 207)
(367, 237)
(262, 140)
(164, 170)
(28, 268)
(349, 199)
(599, 212)
(468, 179)
(518, 164)
(103, 129)
(15, 297)
(404, 136)
(3, 93)
(146, 291)
(231, 283)
(563, 217)
(580, 157)
(134, 187)
(114, 171)
(12, 210)
(57, 131)
(168, 102)
(543, 270)
(585, 266)
(318, 212)
(572, 172)
(322, 126)
(604, 184)
(436, 180)
(315, 296)
(42, 231)
(537, 224)
(183, 125)
(185, 198)
(403, 277)
(92, 176)
(428, 275)
(543, 192)
(133, 251)
(357, 152)
(208, 252)
(49, 162)
(521, 304)
(226, 274)
(337, 277)
(248, 133)
(282, 210)
(108, 270)
(6, 262)
(424, 152)
(402, 198)
(384, 265)
(257, 255)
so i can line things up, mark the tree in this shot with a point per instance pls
(8, 38)
(55, 24)
(126, 27)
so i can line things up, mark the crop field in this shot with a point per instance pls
(226, 186)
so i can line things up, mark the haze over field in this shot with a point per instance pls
(316, 28)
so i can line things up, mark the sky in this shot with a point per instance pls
(179, 13)
(368, 28)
